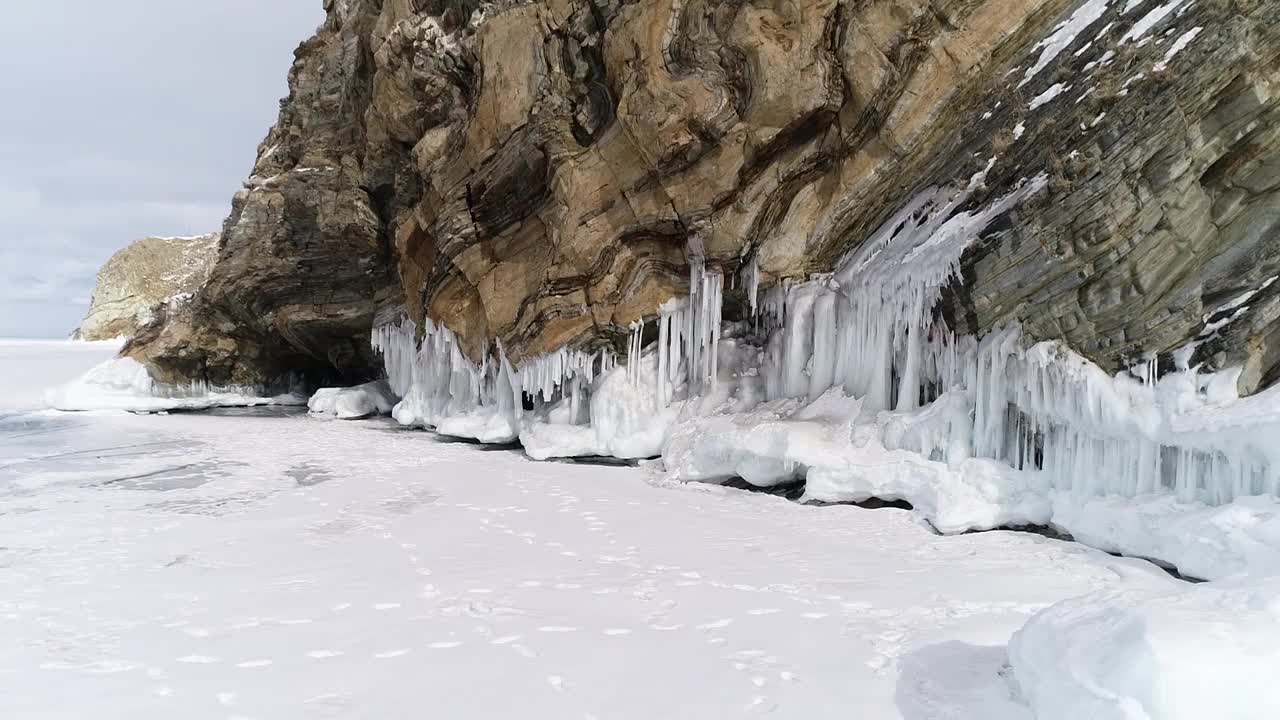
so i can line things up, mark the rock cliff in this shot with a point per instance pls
(139, 284)
(539, 173)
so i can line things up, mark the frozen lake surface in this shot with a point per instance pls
(271, 565)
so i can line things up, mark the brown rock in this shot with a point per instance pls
(531, 172)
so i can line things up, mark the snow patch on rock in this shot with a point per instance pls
(1065, 34)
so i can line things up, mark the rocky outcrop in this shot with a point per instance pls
(138, 285)
(535, 173)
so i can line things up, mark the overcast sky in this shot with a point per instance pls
(124, 119)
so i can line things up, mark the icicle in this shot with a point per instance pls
(709, 303)
(822, 373)
(634, 350)
(751, 280)
(660, 379)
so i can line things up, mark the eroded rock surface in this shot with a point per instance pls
(532, 172)
(138, 285)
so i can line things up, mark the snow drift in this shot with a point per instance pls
(1210, 651)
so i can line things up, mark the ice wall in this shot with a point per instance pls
(1085, 432)
(997, 430)
(872, 330)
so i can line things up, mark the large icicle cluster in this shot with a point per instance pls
(994, 432)
(1090, 434)
(870, 329)
(437, 381)
(871, 322)
(581, 403)
(442, 389)
(689, 331)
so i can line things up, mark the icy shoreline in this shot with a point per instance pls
(199, 565)
(838, 450)
(852, 383)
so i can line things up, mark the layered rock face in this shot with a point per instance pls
(138, 285)
(539, 174)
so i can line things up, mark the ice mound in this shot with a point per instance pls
(482, 424)
(546, 441)
(126, 384)
(1190, 653)
(838, 451)
(353, 403)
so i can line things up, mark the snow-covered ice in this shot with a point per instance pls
(1174, 654)
(270, 565)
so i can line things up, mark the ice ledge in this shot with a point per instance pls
(125, 384)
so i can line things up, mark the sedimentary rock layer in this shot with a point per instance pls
(535, 174)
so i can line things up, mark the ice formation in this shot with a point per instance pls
(444, 390)
(689, 332)
(871, 323)
(625, 419)
(852, 383)
(126, 384)
(997, 433)
(353, 403)
(1208, 651)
